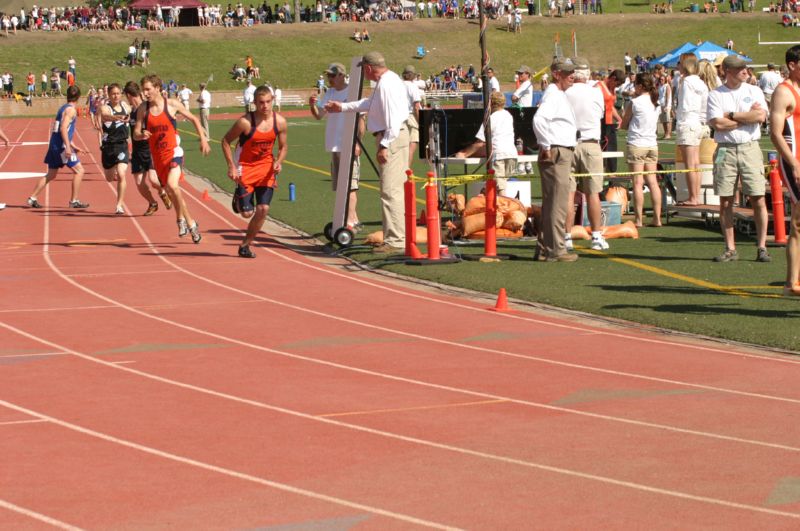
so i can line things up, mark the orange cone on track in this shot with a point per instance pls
(502, 302)
(205, 196)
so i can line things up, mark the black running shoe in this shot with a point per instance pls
(245, 252)
(77, 204)
(33, 203)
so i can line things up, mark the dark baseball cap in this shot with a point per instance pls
(563, 65)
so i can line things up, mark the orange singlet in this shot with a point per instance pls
(164, 142)
(608, 99)
(254, 155)
(791, 133)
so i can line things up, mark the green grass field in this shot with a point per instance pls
(665, 278)
(292, 55)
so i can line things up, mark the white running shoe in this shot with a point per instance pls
(568, 244)
(599, 244)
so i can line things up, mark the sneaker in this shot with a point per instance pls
(77, 204)
(599, 244)
(566, 257)
(33, 203)
(763, 255)
(119, 211)
(166, 200)
(194, 230)
(568, 244)
(183, 228)
(729, 255)
(152, 208)
(245, 252)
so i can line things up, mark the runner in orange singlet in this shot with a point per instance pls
(784, 130)
(253, 167)
(155, 122)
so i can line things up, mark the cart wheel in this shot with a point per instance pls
(328, 231)
(343, 237)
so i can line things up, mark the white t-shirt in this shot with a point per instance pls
(184, 95)
(524, 93)
(589, 108)
(692, 101)
(335, 120)
(414, 95)
(502, 124)
(494, 84)
(769, 81)
(206, 97)
(249, 94)
(723, 100)
(644, 122)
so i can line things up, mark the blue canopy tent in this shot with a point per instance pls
(705, 50)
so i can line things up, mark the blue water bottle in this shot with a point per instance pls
(292, 192)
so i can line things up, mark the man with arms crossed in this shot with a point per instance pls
(333, 136)
(62, 152)
(387, 114)
(736, 111)
(784, 121)
(253, 167)
(155, 122)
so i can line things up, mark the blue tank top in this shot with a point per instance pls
(56, 142)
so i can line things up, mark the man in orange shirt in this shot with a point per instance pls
(253, 167)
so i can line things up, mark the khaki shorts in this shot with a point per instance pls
(588, 159)
(690, 134)
(733, 160)
(666, 116)
(503, 168)
(335, 157)
(642, 155)
(413, 129)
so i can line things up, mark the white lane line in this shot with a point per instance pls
(358, 370)
(8, 175)
(226, 471)
(62, 309)
(32, 354)
(38, 516)
(14, 422)
(376, 432)
(118, 273)
(428, 298)
(21, 134)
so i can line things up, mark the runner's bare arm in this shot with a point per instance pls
(782, 105)
(178, 108)
(106, 114)
(283, 146)
(66, 120)
(139, 133)
(241, 126)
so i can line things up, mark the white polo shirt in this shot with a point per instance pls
(587, 104)
(335, 120)
(723, 100)
(525, 94)
(386, 108)
(554, 122)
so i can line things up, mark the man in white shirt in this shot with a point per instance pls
(205, 107)
(736, 111)
(414, 104)
(628, 63)
(556, 133)
(184, 94)
(523, 96)
(494, 84)
(337, 81)
(387, 114)
(248, 95)
(589, 108)
(769, 81)
(504, 151)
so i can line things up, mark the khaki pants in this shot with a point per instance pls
(204, 121)
(393, 175)
(555, 196)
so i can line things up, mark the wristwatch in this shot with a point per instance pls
(730, 115)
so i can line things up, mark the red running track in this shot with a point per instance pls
(146, 382)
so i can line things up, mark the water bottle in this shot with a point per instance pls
(292, 192)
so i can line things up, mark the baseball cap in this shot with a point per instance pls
(562, 65)
(580, 63)
(373, 59)
(733, 61)
(523, 70)
(409, 70)
(335, 69)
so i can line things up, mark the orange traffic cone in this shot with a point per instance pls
(423, 219)
(205, 196)
(502, 302)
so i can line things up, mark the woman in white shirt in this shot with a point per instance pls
(641, 121)
(691, 126)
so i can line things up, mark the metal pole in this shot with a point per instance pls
(487, 90)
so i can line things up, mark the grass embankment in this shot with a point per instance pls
(665, 278)
(293, 55)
